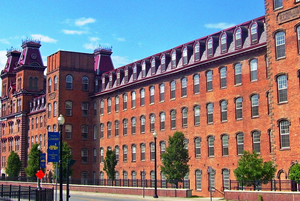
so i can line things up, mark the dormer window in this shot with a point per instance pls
(223, 43)
(110, 81)
(118, 78)
(103, 83)
(174, 59)
(254, 37)
(277, 4)
(197, 51)
(134, 72)
(126, 75)
(153, 66)
(163, 63)
(238, 38)
(144, 69)
(185, 56)
(210, 51)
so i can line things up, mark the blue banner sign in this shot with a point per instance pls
(43, 160)
(53, 144)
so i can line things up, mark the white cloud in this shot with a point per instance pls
(89, 46)
(72, 32)
(119, 61)
(3, 59)
(94, 39)
(221, 25)
(43, 38)
(121, 39)
(5, 41)
(83, 21)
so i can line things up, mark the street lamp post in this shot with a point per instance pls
(155, 166)
(39, 181)
(60, 121)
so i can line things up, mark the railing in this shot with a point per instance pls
(26, 193)
(272, 185)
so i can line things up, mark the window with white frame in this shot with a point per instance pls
(125, 124)
(196, 79)
(238, 73)
(239, 108)
(173, 119)
(256, 141)
(144, 69)
(280, 44)
(143, 151)
(133, 99)
(84, 132)
(124, 101)
(184, 117)
(238, 38)
(210, 50)
(172, 89)
(254, 105)
(163, 63)
(253, 69)
(162, 120)
(209, 79)
(197, 51)
(153, 66)
(143, 121)
(225, 145)
(108, 129)
(183, 87)
(117, 103)
(117, 128)
(210, 113)
(125, 153)
(142, 97)
(223, 110)
(152, 122)
(133, 125)
(277, 4)
(254, 33)
(174, 59)
(101, 107)
(185, 56)
(282, 88)
(197, 115)
(224, 43)
(109, 105)
(223, 77)
(152, 91)
(133, 153)
(161, 92)
(240, 143)
(211, 146)
(226, 180)
(284, 128)
(198, 175)
(197, 147)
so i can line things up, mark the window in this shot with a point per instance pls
(49, 111)
(133, 99)
(161, 92)
(197, 115)
(36, 122)
(223, 110)
(282, 88)
(240, 143)
(225, 145)
(198, 175)
(124, 153)
(172, 89)
(152, 151)
(209, 86)
(144, 69)
(152, 122)
(84, 156)
(253, 30)
(41, 122)
(85, 83)
(68, 131)
(133, 125)
(174, 59)
(117, 152)
(143, 150)
(284, 128)
(84, 132)
(85, 109)
(197, 147)
(212, 179)
(162, 120)
(210, 51)
(69, 106)
(253, 69)
(133, 177)
(133, 152)
(280, 44)
(108, 129)
(197, 51)
(101, 107)
(298, 36)
(49, 85)
(142, 97)
(173, 119)
(109, 105)
(95, 109)
(226, 180)
(162, 148)
(117, 103)
(184, 117)
(183, 87)
(277, 4)
(210, 113)
(125, 77)
(223, 43)
(238, 38)
(256, 141)
(196, 83)
(223, 77)
(101, 130)
(238, 73)
(153, 66)
(239, 108)
(124, 101)
(152, 178)
(143, 121)
(116, 128)
(134, 72)
(55, 83)
(254, 105)
(211, 146)
(152, 95)
(163, 63)
(101, 155)
(69, 82)
(125, 124)
(185, 56)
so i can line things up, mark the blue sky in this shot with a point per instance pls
(134, 28)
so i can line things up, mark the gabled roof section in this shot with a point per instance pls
(102, 60)
(30, 55)
(12, 59)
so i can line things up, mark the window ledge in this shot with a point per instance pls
(240, 119)
(133, 108)
(281, 58)
(161, 101)
(237, 85)
(124, 109)
(196, 125)
(255, 117)
(223, 88)
(172, 99)
(285, 149)
(184, 96)
(151, 104)
(211, 123)
(211, 156)
(282, 103)
(209, 90)
(224, 121)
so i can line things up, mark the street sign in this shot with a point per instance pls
(43, 160)
(53, 142)
(40, 174)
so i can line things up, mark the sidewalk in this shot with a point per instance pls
(139, 197)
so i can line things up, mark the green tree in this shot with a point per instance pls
(253, 171)
(67, 157)
(175, 159)
(14, 165)
(294, 173)
(33, 161)
(110, 163)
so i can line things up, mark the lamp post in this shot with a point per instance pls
(60, 121)
(39, 181)
(155, 167)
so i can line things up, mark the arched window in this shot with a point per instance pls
(209, 79)
(185, 56)
(85, 83)
(143, 151)
(162, 120)
(49, 85)
(174, 59)
(223, 77)
(226, 180)
(143, 121)
(55, 109)
(282, 88)
(68, 131)
(84, 132)
(133, 99)
(117, 152)
(197, 51)
(184, 117)
(152, 151)
(256, 141)
(108, 129)
(212, 178)
(223, 110)
(210, 113)
(223, 43)
(134, 68)
(298, 38)
(117, 103)
(143, 69)
(101, 130)
(55, 83)
(253, 69)
(116, 128)
(197, 115)
(109, 105)
(225, 145)
(161, 92)
(239, 108)
(240, 143)
(142, 97)
(238, 73)
(133, 125)
(153, 66)
(133, 153)
(84, 155)
(280, 44)
(183, 87)
(254, 33)
(284, 128)
(162, 148)
(173, 119)
(196, 83)
(84, 177)
(210, 50)
(197, 147)
(101, 107)
(69, 82)
(125, 101)
(133, 176)
(211, 146)
(125, 124)
(254, 105)
(124, 153)
(152, 122)
(172, 89)
(49, 110)
(163, 63)
(152, 91)
(198, 175)
(101, 155)
(238, 38)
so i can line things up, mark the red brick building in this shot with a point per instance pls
(234, 90)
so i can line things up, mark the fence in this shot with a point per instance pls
(272, 185)
(26, 193)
